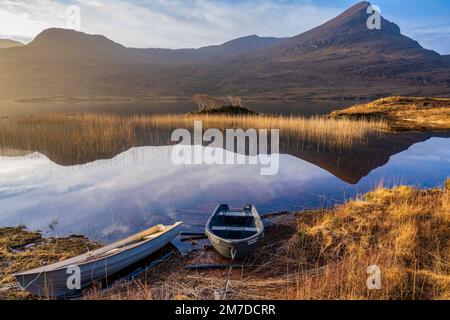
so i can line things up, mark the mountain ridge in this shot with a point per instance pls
(8, 43)
(340, 58)
(343, 51)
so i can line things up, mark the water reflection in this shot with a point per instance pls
(348, 163)
(356, 163)
(108, 199)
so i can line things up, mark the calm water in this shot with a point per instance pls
(109, 199)
(306, 108)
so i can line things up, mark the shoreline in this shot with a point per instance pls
(169, 98)
(112, 99)
(307, 245)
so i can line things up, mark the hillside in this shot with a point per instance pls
(340, 59)
(6, 43)
(343, 58)
(76, 64)
(206, 55)
(404, 113)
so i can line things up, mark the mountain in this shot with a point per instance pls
(349, 30)
(344, 57)
(6, 43)
(339, 59)
(61, 63)
(209, 54)
(62, 41)
(447, 58)
(72, 63)
(241, 45)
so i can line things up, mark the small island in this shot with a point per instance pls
(230, 105)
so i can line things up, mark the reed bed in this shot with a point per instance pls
(86, 137)
(323, 131)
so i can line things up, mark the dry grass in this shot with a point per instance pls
(21, 249)
(85, 137)
(404, 113)
(405, 231)
(325, 255)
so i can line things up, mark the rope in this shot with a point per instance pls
(230, 272)
(33, 281)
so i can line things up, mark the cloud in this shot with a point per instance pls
(22, 20)
(190, 23)
(166, 23)
(435, 37)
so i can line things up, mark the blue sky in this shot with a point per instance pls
(195, 23)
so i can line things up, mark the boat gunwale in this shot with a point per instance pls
(124, 249)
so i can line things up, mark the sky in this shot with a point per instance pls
(196, 23)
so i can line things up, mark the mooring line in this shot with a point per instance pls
(230, 273)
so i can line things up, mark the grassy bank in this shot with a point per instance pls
(403, 113)
(311, 255)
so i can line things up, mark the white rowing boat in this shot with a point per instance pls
(60, 279)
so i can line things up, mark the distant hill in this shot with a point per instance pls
(339, 59)
(241, 45)
(7, 43)
(210, 54)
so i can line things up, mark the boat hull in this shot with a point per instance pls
(57, 283)
(240, 248)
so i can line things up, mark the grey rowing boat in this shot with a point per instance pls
(68, 277)
(235, 233)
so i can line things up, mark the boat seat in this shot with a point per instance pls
(241, 214)
(227, 228)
